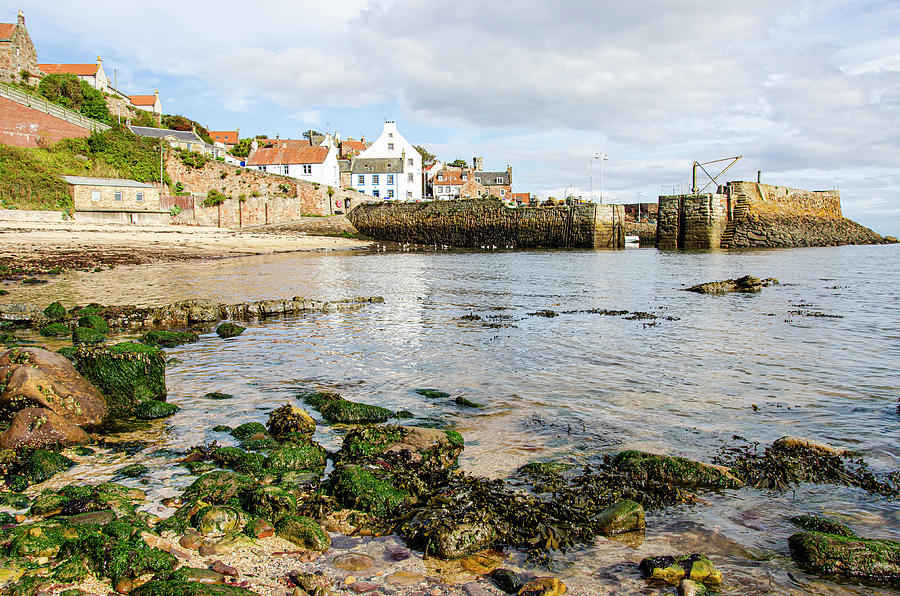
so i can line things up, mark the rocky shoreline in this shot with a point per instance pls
(388, 512)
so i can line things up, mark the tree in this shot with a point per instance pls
(309, 134)
(459, 163)
(242, 148)
(428, 158)
(69, 91)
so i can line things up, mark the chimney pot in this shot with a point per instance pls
(21, 18)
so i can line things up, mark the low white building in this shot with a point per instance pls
(93, 74)
(391, 145)
(313, 164)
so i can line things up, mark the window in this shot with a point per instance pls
(391, 193)
(261, 168)
(361, 179)
(409, 194)
(502, 192)
(95, 195)
(375, 193)
(498, 180)
(390, 178)
(285, 170)
(139, 197)
(118, 196)
(409, 177)
(390, 146)
(477, 179)
(410, 161)
(374, 178)
(441, 177)
(390, 135)
(465, 177)
(307, 168)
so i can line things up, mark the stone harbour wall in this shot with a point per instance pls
(490, 224)
(691, 221)
(787, 231)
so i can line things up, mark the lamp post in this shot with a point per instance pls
(601, 157)
(566, 194)
(591, 170)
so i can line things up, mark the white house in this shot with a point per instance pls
(379, 177)
(390, 146)
(148, 103)
(93, 74)
(314, 164)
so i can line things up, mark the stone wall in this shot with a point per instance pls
(82, 197)
(17, 55)
(643, 230)
(691, 221)
(488, 223)
(256, 188)
(779, 200)
(22, 126)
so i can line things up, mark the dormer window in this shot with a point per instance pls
(390, 146)
(498, 180)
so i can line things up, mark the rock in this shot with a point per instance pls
(87, 336)
(432, 393)
(676, 470)
(814, 447)
(362, 587)
(623, 516)
(218, 396)
(543, 586)
(220, 567)
(247, 430)
(41, 427)
(475, 589)
(132, 471)
(847, 555)
(55, 311)
(270, 502)
(815, 523)
(217, 520)
(98, 518)
(336, 409)
(297, 457)
(748, 283)
(22, 313)
(124, 586)
(95, 322)
(687, 587)
(480, 563)
(56, 330)
(184, 588)
(453, 540)
(153, 409)
(429, 448)
(45, 379)
(228, 543)
(310, 582)
(506, 580)
(290, 419)
(203, 576)
(41, 465)
(354, 562)
(304, 532)
(672, 569)
(226, 330)
(259, 528)
(169, 339)
(218, 487)
(403, 578)
(467, 403)
(355, 487)
(193, 540)
(126, 373)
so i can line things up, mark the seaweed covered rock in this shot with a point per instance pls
(747, 284)
(218, 487)
(40, 378)
(126, 373)
(247, 430)
(226, 330)
(808, 446)
(847, 555)
(153, 409)
(624, 516)
(95, 322)
(304, 532)
(297, 457)
(676, 470)
(356, 487)
(426, 448)
(55, 311)
(290, 419)
(239, 460)
(55, 330)
(270, 502)
(188, 588)
(87, 336)
(449, 538)
(169, 339)
(672, 569)
(336, 409)
(40, 465)
(543, 586)
(41, 427)
(826, 525)
(217, 520)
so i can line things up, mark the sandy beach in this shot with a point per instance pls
(41, 247)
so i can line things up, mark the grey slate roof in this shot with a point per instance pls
(88, 181)
(489, 178)
(187, 136)
(377, 165)
(344, 165)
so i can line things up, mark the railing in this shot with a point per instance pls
(42, 105)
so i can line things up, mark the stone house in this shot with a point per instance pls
(391, 145)
(177, 139)
(93, 74)
(447, 181)
(17, 53)
(112, 194)
(148, 103)
(313, 164)
(497, 184)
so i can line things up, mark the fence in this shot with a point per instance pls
(185, 203)
(42, 105)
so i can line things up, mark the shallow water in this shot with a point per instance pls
(573, 386)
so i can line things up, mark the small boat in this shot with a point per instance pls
(632, 241)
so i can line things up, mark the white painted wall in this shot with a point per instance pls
(392, 144)
(326, 173)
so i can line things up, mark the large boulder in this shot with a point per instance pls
(679, 471)
(40, 427)
(428, 448)
(847, 555)
(32, 377)
(126, 373)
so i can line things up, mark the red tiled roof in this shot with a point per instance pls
(268, 156)
(81, 70)
(143, 100)
(229, 137)
(452, 176)
(6, 30)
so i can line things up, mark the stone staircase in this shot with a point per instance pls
(739, 210)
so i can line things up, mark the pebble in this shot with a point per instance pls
(192, 540)
(349, 580)
(396, 553)
(220, 567)
(403, 578)
(203, 576)
(506, 580)
(363, 587)
(543, 586)
(124, 586)
(353, 562)
(475, 589)
(480, 564)
(687, 587)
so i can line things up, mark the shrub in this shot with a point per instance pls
(214, 198)
(254, 194)
(174, 211)
(223, 175)
(192, 158)
(71, 92)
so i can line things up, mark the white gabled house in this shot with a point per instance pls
(395, 157)
(313, 164)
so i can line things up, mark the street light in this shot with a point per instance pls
(566, 194)
(601, 157)
(591, 170)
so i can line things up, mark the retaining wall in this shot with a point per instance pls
(489, 223)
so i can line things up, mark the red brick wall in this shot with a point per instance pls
(21, 126)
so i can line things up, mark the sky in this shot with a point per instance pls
(807, 92)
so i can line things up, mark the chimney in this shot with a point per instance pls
(99, 62)
(21, 20)
(478, 164)
(237, 133)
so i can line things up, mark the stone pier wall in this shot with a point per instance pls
(691, 221)
(489, 223)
